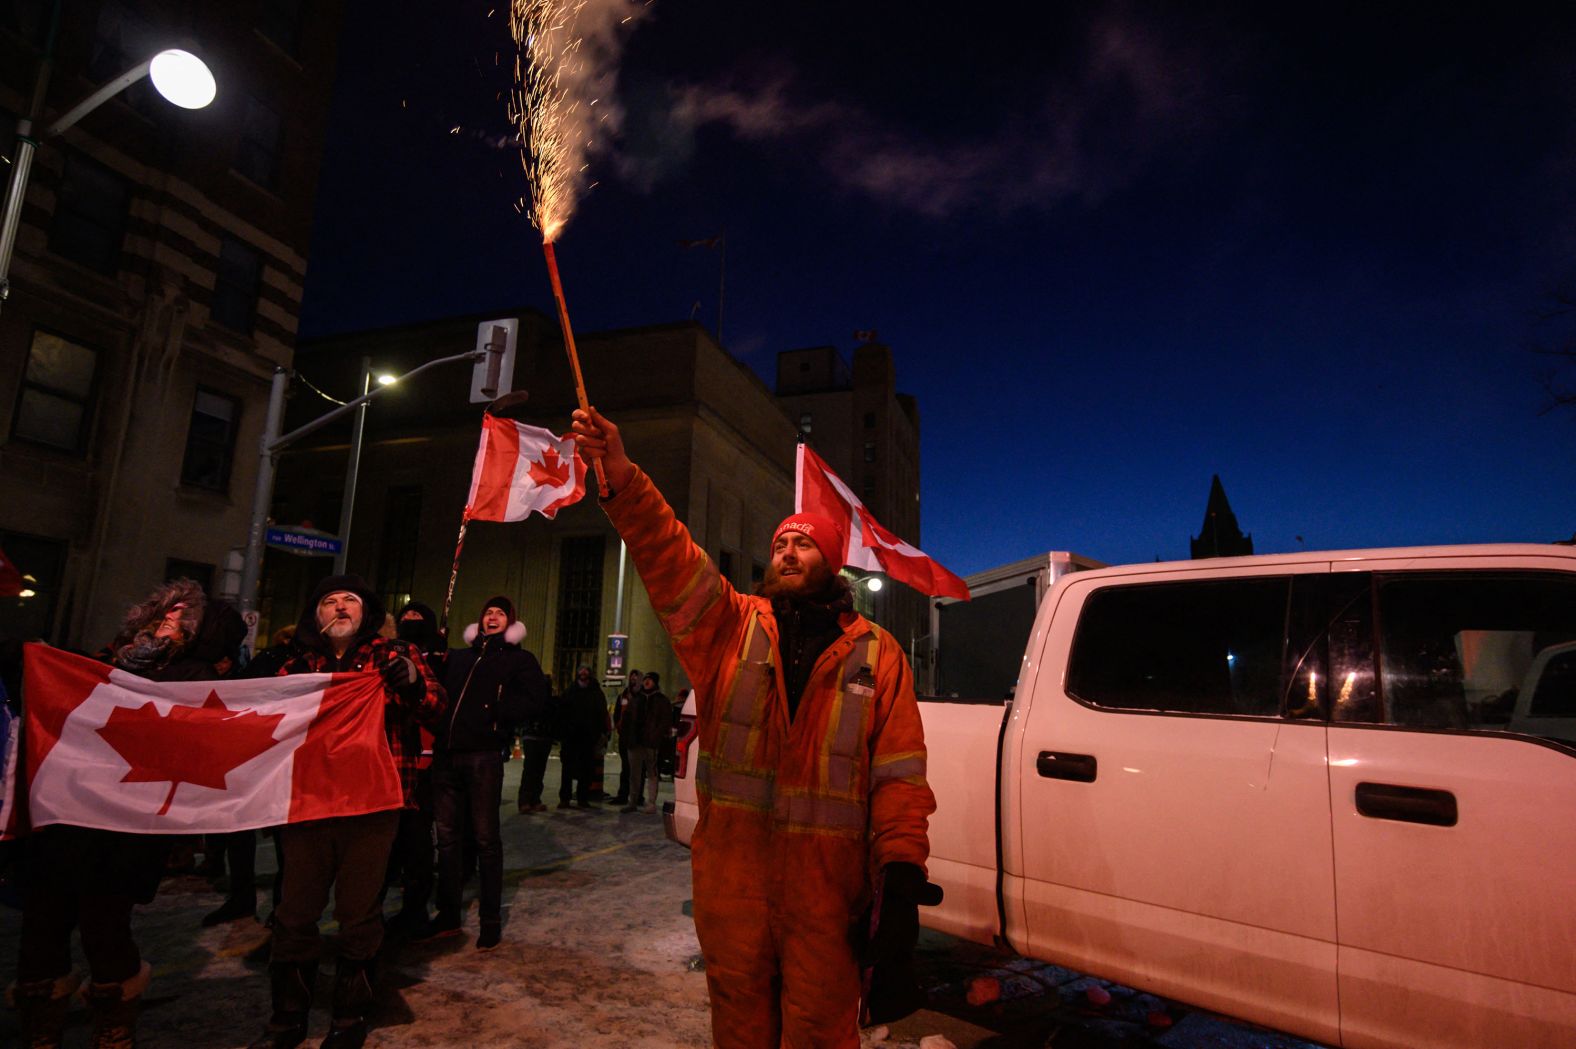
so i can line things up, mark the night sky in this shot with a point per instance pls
(1115, 247)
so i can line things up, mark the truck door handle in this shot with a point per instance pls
(1386, 801)
(1053, 764)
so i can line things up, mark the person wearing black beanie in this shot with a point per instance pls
(338, 633)
(493, 685)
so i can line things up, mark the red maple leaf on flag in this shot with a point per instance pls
(551, 471)
(189, 745)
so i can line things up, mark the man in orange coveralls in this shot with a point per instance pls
(811, 777)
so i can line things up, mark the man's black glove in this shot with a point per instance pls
(893, 933)
(401, 675)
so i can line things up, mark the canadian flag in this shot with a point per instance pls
(106, 749)
(521, 468)
(870, 547)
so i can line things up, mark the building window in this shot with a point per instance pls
(280, 21)
(725, 564)
(210, 441)
(579, 606)
(198, 572)
(42, 564)
(257, 154)
(870, 451)
(235, 285)
(870, 420)
(57, 393)
(869, 490)
(401, 541)
(90, 215)
(757, 572)
(805, 421)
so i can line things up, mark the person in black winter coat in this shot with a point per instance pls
(536, 744)
(582, 721)
(493, 685)
(411, 859)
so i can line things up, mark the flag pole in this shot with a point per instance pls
(574, 358)
(448, 599)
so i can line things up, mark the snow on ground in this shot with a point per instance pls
(598, 950)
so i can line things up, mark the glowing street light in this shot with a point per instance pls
(387, 380)
(179, 76)
(182, 78)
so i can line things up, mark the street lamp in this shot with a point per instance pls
(180, 76)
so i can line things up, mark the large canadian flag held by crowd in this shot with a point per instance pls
(521, 468)
(107, 749)
(870, 547)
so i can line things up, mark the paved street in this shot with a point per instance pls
(599, 950)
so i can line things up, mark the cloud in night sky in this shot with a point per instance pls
(1126, 101)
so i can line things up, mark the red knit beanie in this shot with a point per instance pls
(820, 530)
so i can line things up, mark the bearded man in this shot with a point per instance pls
(338, 633)
(811, 777)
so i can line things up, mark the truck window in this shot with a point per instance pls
(1456, 648)
(1214, 647)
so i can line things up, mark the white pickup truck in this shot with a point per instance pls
(1302, 789)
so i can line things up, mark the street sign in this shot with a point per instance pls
(308, 542)
(251, 618)
(494, 373)
(617, 648)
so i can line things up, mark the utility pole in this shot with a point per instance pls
(272, 443)
(347, 509)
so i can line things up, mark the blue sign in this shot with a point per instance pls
(305, 541)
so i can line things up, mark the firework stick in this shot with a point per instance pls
(574, 358)
(454, 573)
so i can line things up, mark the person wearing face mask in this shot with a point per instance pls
(493, 685)
(411, 860)
(345, 855)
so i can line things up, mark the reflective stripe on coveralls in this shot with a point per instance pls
(838, 804)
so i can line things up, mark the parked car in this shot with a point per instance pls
(1289, 788)
(1546, 702)
(680, 815)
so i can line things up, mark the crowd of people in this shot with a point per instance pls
(451, 718)
(808, 859)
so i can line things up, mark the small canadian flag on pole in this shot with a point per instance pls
(522, 468)
(870, 547)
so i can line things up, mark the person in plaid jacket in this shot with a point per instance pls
(338, 633)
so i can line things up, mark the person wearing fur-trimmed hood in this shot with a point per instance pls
(493, 685)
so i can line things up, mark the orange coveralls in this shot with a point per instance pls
(795, 819)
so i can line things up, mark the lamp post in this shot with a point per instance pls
(181, 77)
(272, 443)
(358, 429)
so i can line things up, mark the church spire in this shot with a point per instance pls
(1220, 536)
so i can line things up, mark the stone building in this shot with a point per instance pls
(698, 421)
(155, 286)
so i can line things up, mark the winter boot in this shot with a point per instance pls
(352, 1003)
(115, 1007)
(291, 984)
(43, 1005)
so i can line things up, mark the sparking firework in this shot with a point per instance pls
(564, 72)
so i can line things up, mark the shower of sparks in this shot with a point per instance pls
(566, 53)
